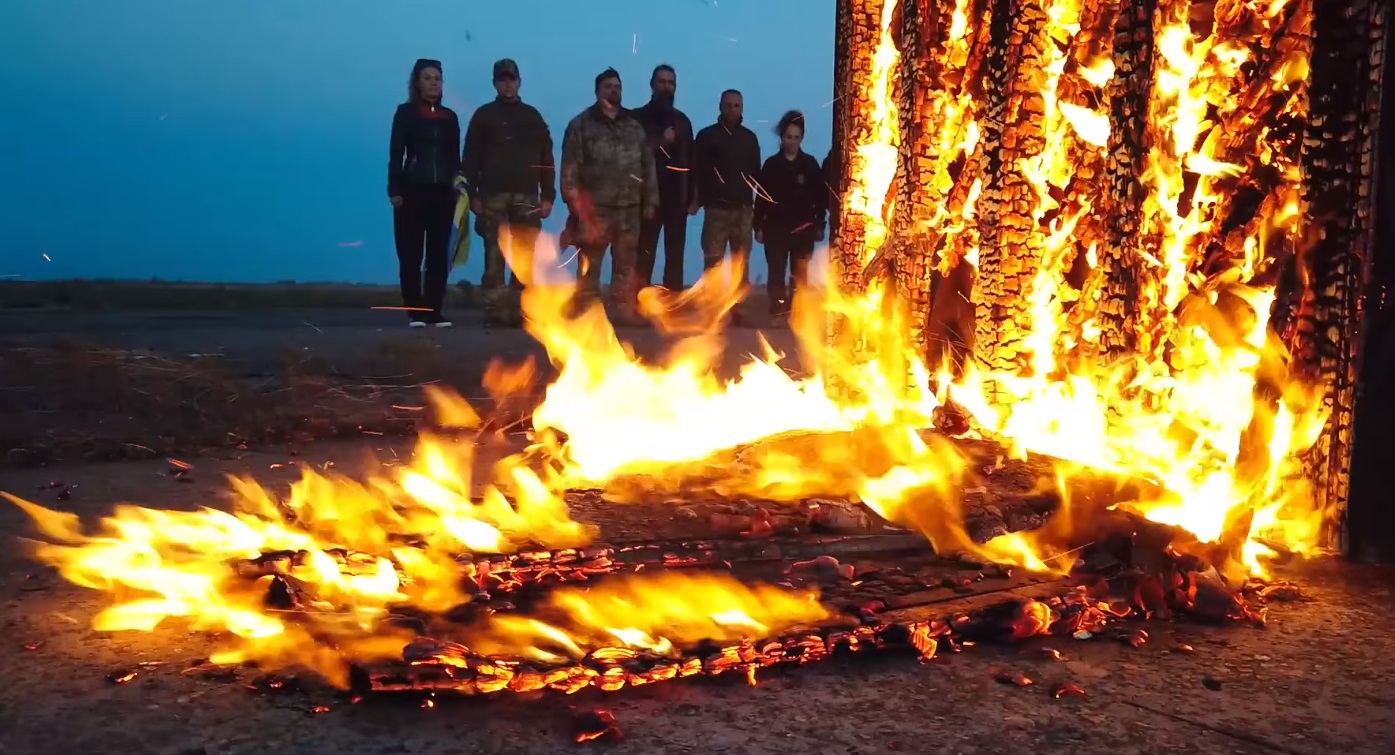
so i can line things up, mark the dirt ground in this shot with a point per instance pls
(95, 386)
(1316, 680)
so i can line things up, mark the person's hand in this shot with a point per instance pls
(819, 235)
(544, 209)
(670, 136)
(476, 206)
(460, 186)
(650, 212)
(396, 201)
(760, 237)
(693, 207)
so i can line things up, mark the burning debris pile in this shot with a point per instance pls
(1121, 191)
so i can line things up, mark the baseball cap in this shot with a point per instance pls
(505, 67)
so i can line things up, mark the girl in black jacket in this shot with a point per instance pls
(791, 201)
(423, 161)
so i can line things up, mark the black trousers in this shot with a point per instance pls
(786, 254)
(421, 227)
(672, 219)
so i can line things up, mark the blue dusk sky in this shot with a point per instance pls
(247, 141)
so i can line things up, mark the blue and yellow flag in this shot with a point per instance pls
(460, 249)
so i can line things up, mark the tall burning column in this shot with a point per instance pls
(1111, 193)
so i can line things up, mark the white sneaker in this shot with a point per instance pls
(443, 324)
(417, 324)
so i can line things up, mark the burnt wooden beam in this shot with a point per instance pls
(1338, 162)
(1370, 515)
(859, 22)
(1010, 247)
(1115, 294)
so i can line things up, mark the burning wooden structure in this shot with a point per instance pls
(1047, 184)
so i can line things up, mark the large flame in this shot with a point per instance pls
(1207, 410)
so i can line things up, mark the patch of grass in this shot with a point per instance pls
(171, 295)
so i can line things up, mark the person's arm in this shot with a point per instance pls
(571, 163)
(470, 161)
(813, 178)
(697, 170)
(832, 199)
(547, 169)
(397, 154)
(682, 157)
(764, 204)
(649, 192)
(753, 164)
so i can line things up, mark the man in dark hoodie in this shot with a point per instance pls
(726, 159)
(507, 166)
(671, 138)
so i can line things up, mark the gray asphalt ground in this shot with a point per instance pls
(1317, 680)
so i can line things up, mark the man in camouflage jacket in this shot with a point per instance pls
(609, 185)
(507, 166)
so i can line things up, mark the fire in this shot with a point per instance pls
(356, 549)
(1207, 406)
(661, 614)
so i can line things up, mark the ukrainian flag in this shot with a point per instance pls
(460, 246)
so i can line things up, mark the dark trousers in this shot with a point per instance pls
(786, 254)
(421, 227)
(672, 219)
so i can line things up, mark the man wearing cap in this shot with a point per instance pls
(508, 169)
(609, 184)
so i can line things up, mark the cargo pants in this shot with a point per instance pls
(724, 227)
(506, 218)
(616, 228)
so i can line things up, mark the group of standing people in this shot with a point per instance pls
(627, 177)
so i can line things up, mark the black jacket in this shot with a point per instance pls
(508, 148)
(792, 198)
(725, 163)
(672, 162)
(424, 147)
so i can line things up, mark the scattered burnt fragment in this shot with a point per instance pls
(1066, 689)
(122, 676)
(595, 725)
(1013, 678)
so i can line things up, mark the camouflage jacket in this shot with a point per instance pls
(608, 161)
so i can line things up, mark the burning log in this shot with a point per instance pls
(1125, 236)
(859, 27)
(1338, 159)
(1080, 608)
(919, 29)
(1010, 249)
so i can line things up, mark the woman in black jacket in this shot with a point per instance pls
(423, 161)
(791, 201)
